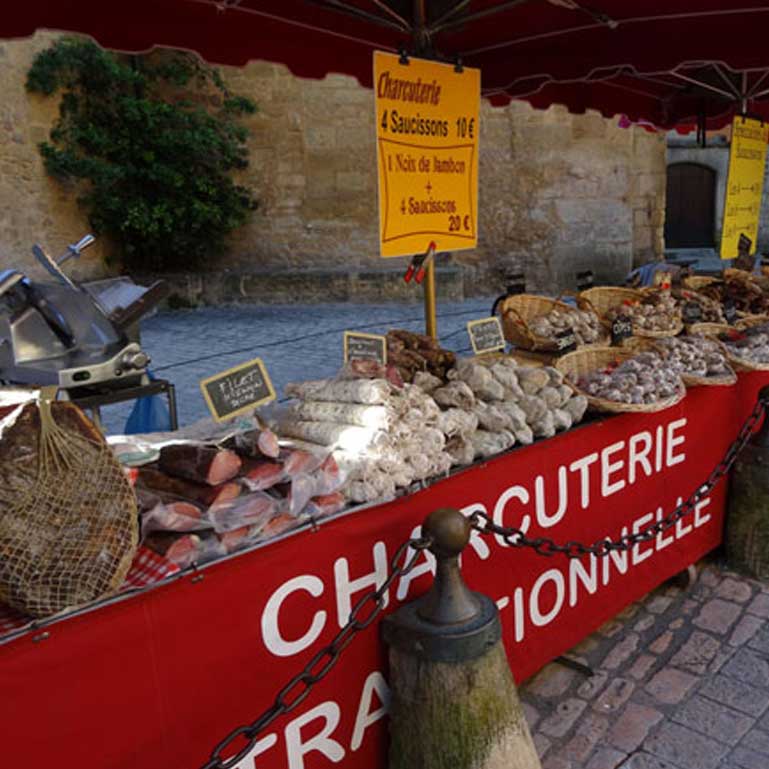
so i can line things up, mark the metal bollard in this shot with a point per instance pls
(454, 701)
(747, 522)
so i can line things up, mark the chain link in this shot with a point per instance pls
(483, 523)
(300, 686)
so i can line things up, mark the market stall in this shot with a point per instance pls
(183, 662)
(208, 630)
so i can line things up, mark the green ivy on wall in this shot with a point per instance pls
(152, 142)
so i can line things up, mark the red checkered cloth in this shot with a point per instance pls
(147, 569)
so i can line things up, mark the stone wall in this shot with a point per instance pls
(558, 193)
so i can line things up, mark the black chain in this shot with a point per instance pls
(483, 523)
(300, 686)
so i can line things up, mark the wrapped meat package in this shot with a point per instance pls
(68, 516)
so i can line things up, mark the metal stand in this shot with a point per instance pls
(92, 399)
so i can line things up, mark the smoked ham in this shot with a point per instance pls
(204, 464)
(68, 515)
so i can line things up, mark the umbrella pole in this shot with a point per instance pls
(431, 319)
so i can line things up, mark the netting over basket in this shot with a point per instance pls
(68, 517)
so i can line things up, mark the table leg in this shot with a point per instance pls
(171, 393)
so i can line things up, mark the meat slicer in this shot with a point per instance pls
(69, 334)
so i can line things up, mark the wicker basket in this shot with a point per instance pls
(601, 299)
(577, 364)
(735, 274)
(696, 282)
(748, 321)
(714, 330)
(638, 344)
(709, 381)
(519, 310)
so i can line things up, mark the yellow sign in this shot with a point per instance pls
(427, 117)
(744, 186)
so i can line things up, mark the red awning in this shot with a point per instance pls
(666, 61)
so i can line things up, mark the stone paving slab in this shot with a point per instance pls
(310, 336)
(681, 681)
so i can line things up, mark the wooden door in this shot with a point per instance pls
(690, 208)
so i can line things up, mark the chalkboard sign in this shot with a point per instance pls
(237, 390)
(744, 244)
(621, 328)
(486, 335)
(730, 311)
(585, 280)
(365, 347)
(566, 341)
(691, 312)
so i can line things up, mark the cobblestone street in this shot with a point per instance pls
(681, 681)
(295, 342)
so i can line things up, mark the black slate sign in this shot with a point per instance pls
(566, 341)
(585, 280)
(730, 311)
(486, 335)
(621, 328)
(691, 312)
(359, 346)
(237, 390)
(515, 283)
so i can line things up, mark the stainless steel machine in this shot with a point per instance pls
(78, 336)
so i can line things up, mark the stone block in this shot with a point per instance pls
(320, 137)
(561, 721)
(736, 694)
(717, 616)
(685, 747)
(622, 651)
(713, 719)
(670, 686)
(631, 728)
(353, 181)
(696, 654)
(614, 696)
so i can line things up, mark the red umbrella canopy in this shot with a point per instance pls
(665, 61)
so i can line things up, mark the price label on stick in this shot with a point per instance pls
(427, 125)
(566, 341)
(621, 328)
(486, 335)
(237, 390)
(359, 346)
(730, 311)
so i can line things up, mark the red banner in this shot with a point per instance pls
(154, 681)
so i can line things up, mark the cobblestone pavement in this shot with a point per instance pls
(311, 346)
(681, 681)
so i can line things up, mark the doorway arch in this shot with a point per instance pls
(690, 207)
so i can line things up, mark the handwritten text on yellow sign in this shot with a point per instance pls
(744, 185)
(427, 154)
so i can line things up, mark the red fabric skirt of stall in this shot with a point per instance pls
(155, 680)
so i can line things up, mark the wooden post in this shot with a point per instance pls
(747, 521)
(431, 317)
(454, 701)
